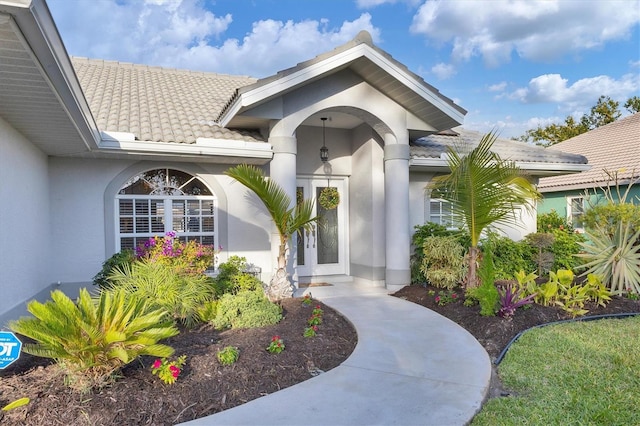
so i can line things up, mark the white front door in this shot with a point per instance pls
(323, 251)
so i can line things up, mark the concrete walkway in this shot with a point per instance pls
(411, 366)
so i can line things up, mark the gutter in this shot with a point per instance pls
(125, 143)
(533, 168)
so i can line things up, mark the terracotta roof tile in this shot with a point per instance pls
(159, 104)
(614, 147)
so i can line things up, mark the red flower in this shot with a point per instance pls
(274, 338)
(175, 371)
(437, 298)
(454, 296)
(156, 364)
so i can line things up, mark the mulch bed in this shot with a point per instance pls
(203, 388)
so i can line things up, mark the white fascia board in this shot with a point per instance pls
(123, 142)
(557, 168)
(276, 87)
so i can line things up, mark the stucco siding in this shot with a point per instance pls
(83, 214)
(367, 238)
(78, 216)
(24, 219)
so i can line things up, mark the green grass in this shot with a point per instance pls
(584, 373)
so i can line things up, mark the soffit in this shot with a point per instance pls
(27, 101)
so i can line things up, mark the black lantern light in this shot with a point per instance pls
(324, 151)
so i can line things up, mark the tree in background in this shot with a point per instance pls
(605, 111)
(483, 190)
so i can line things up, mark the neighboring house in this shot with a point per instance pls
(99, 155)
(613, 152)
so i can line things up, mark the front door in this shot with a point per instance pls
(323, 251)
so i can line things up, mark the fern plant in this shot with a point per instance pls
(181, 295)
(615, 258)
(93, 338)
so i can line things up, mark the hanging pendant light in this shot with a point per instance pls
(324, 151)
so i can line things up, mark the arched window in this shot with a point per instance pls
(162, 200)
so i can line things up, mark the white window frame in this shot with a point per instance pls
(167, 217)
(571, 214)
(430, 215)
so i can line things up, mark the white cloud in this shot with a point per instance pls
(539, 30)
(498, 87)
(581, 95)
(184, 34)
(634, 64)
(443, 71)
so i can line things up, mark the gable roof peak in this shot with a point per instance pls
(363, 37)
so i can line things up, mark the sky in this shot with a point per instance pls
(512, 64)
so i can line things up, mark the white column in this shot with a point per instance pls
(396, 192)
(282, 170)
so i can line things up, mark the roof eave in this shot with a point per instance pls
(537, 169)
(35, 23)
(116, 143)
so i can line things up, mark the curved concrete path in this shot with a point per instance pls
(411, 366)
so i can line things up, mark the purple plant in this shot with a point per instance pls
(511, 299)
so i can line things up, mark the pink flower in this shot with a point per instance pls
(437, 299)
(156, 364)
(175, 371)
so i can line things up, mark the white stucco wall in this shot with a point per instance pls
(523, 223)
(367, 211)
(24, 219)
(78, 216)
(80, 210)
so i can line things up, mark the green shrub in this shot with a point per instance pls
(443, 261)
(509, 256)
(431, 229)
(232, 277)
(246, 309)
(190, 257)
(607, 216)
(179, 294)
(486, 293)
(547, 222)
(118, 260)
(92, 339)
(228, 355)
(565, 247)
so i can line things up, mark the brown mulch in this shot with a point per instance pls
(204, 386)
(495, 333)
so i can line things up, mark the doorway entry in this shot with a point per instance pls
(323, 251)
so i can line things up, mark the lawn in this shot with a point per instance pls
(585, 373)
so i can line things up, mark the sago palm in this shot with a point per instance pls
(93, 338)
(483, 190)
(288, 220)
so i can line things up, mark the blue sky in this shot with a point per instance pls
(513, 65)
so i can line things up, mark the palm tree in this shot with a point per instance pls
(483, 190)
(288, 220)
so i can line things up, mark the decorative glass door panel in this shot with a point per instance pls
(323, 250)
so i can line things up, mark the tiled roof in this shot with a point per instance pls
(158, 104)
(434, 145)
(614, 147)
